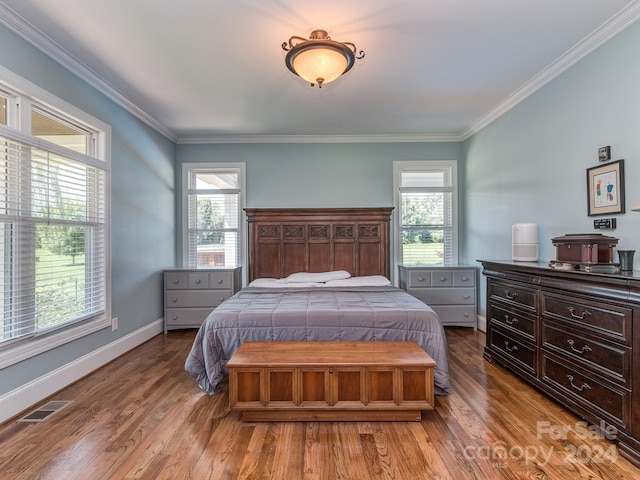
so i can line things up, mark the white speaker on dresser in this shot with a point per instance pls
(525, 242)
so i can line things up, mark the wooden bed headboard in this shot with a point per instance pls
(283, 241)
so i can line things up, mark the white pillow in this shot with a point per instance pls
(316, 277)
(366, 281)
(274, 283)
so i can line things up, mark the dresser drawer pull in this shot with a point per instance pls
(510, 349)
(584, 349)
(465, 279)
(421, 279)
(585, 386)
(443, 279)
(174, 299)
(466, 297)
(221, 299)
(510, 295)
(198, 282)
(582, 316)
(510, 321)
(220, 280)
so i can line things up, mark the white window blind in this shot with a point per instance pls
(52, 238)
(213, 206)
(426, 209)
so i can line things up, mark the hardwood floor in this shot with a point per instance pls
(143, 417)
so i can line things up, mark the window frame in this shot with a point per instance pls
(214, 167)
(400, 167)
(22, 96)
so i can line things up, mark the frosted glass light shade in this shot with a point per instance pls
(319, 60)
(320, 65)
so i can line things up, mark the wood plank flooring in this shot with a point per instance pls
(143, 417)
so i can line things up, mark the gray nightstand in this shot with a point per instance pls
(449, 290)
(191, 294)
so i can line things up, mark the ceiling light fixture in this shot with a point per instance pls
(319, 60)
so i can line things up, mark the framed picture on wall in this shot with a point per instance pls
(605, 188)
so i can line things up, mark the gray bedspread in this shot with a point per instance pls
(315, 314)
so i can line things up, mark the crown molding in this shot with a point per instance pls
(46, 45)
(391, 138)
(601, 35)
(605, 32)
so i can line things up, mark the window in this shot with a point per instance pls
(213, 202)
(426, 213)
(54, 231)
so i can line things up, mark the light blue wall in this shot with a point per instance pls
(142, 208)
(530, 164)
(317, 175)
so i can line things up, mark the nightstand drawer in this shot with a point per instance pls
(187, 317)
(176, 280)
(196, 298)
(419, 278)
(456, 315)
(451, 296)
(442, 278)
(464, 278)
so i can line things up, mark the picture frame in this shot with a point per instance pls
(604, 153)
(605, 189)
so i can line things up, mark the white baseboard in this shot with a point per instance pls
(29, 394)
(482, 323)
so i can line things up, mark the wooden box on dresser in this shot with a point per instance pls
(574, 335)
(190, 294)
(450, 290)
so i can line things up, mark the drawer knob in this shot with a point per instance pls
(510, 295)
(175, 317)
(221, 299)
(582, 316)
(510, 321)
(421, 279)
(220, 280)
(466, 297)
(466, 314)
(174, 299)
(198, 282)
(510, 349)
(443, 279)
(465, 279)
(584, 349)
(175, 282)
(583, 387)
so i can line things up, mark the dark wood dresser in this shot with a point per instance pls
(574, 335)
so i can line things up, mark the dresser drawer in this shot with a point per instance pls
(602, 357)
(175, 280)
(586, 390)
(513, 294)
(437, 296)
(196, 298)
(186, 317)
(520, 352)
(606, 319)
(522, 322)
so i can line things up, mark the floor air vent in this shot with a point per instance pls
(45, 411)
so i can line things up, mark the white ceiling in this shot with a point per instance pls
(213, 70)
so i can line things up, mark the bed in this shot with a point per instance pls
(316, 275)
